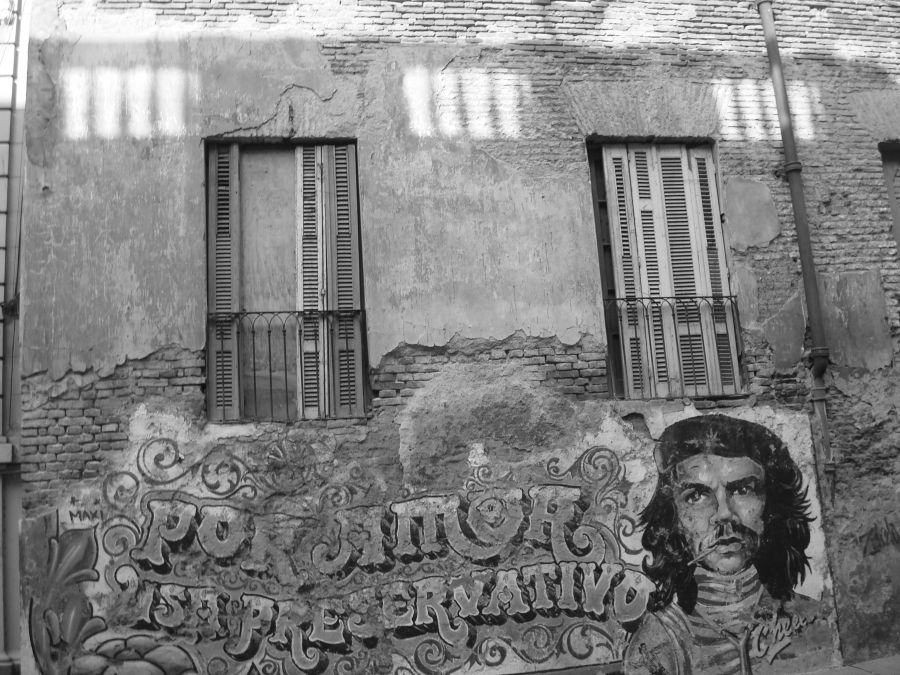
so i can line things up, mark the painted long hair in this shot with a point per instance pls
(781, 560)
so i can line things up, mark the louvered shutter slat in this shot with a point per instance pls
(681, 254)
(224, 240)
(310, 282)
(683, 265)
(651, 236)
(347, 346)
(631, 317)
(722, 316)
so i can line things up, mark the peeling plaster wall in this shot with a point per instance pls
(863, 520)
(423, 204)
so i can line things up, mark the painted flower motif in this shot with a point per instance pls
(120, 489)
(495, 515)
(492, 510)
(137, 655)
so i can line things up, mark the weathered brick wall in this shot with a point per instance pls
(71, 426)
(577, 370)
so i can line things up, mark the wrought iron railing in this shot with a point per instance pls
(668, 347)
(286, 365)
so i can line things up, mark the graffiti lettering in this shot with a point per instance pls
(518, 593)
(423, 527)
(449, 608)
(314, 584)
(553, 508)
(247, 622)
(86, 515)
(430, 600)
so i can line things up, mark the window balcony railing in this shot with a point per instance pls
(670, 347)
(284, 366)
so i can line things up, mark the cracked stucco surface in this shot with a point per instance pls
(97, 243)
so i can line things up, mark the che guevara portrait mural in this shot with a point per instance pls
(726, 532)
(686, 545)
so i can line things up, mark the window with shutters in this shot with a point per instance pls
(672, 324)
(286, 325)
(890, 162)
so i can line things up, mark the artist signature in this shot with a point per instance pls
(770, 638)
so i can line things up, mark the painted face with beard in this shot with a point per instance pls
(720, 502)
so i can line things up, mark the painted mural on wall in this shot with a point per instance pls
(726, 530)
(252, 555)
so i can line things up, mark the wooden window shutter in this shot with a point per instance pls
(721, 316)
(682, 231)
(655, 280)
(342, 225)
(310, 282)
(678, 327)
(627, 273)
(223, 240)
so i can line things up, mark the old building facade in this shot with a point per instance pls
(358, 335)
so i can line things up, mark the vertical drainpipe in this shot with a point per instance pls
(792, 167)
(10, 410)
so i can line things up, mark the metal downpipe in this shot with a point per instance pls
(792, 169)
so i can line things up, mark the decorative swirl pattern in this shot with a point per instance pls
(361, 662)
(625, 529)
(554, 469)
(335, 497)
(182, 569)
(346, 665)
(537, 644)
(221, 477)
(405, 667)
(126, 577)
(602, 468)
(120, 534)
(484, 476)
(232, 579)
(492, 651)
(269, 667)
(581, 640)
(430, 655)
(343, 579)
(160, 461)
(217, 666)
(609, 504)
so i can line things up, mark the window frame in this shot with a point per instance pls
(653, 349)
(890, 166)
(329, 315)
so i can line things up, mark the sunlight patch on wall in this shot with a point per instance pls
(138, 99)
(109, 103)
(748, 110)
(473, 102)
